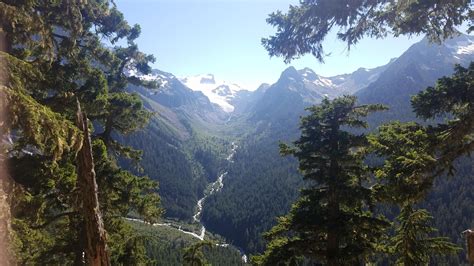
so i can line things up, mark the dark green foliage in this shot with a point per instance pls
(260, 185)
(332, 221)
(452, 96)
(451, 202)
(411, 244)
(183, 167)
(416, 155)
(304, 28)
(165, 246)
(193, 255)
(405, 178)
(406, 174)
(55, 55)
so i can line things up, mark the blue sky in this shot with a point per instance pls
(222, 37)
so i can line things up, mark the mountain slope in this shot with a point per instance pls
(178, 152)
(416, 69)
(262, 184)
(221, 93)
(184, 146)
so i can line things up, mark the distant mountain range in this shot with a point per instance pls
(421, 63)
(219, 92)
(197, 118)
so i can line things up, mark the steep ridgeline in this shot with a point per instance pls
(222, 93)
(187, 141)
(283, 102)
(262, 185)
(260, 179)
(451, 202)
(416, 69)
(177, 152)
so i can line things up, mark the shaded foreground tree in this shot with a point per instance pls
(54, 55)
(304, 27)
(451, 97)
(332, 222)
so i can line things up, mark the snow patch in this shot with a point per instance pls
(218, 91)
(153, 76)
(462, 47)
(468, 49)
(324, 82)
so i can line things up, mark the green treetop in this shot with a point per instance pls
(55, 53)
(332, 221)
(412, 243)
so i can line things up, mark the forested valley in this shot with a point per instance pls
(107, 160)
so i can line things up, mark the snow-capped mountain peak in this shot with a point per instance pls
(463, 45)
(308, 74)
(218, 91)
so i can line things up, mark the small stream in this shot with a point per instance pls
(211, 189)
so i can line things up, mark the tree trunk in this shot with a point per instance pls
(333, 237)
(469, 234)
(332, 252)
(6, 257)
(96, 251)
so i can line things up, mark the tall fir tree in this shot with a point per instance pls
(403, 179)
(55, 55)
(332, 222)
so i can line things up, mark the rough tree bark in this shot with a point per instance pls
(469, 235)
(6, 257)
(96, 251)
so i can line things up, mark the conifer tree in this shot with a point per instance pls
(406, 175)
(303, 29)
(193, 255)
(54, 55)
(412, 243)
(332, 222)
(403, 179)
(451, 97)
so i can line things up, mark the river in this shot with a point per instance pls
(211, 189)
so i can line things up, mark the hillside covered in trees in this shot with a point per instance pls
(108, 161)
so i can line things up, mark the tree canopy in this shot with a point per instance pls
(332, 222)
(57, 53)
(305, 26)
